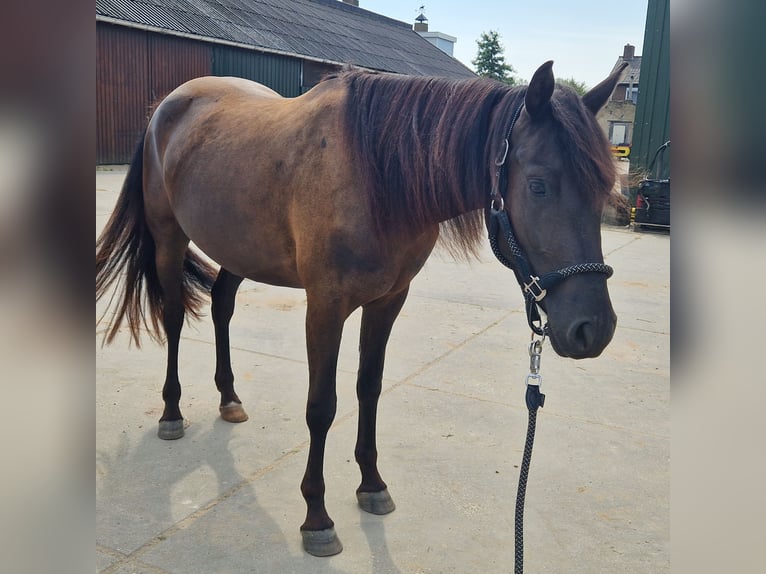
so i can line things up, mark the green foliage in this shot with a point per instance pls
(490, 61)
(578, 87)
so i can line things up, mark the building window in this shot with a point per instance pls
(619, 133)
(631, 94)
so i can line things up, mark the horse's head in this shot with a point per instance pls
(560, 170)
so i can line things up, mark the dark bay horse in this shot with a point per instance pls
(342, 192)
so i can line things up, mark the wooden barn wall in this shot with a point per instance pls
(173, 61)
(122, 87)
(136, 68)
(313, 72)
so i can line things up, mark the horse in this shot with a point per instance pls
(343, 191)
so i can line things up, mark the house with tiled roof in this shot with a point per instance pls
(617, 116)
(146, 48)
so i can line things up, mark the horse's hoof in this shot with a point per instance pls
(321, 542)
(376, 502)
(171, 430)
(233, 412)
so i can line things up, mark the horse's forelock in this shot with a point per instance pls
(587, 150)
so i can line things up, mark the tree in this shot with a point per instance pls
(490, 61)
(578, 87)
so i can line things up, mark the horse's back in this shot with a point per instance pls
(209, 117)
(237, 165)
(192, 102)
(217, 85)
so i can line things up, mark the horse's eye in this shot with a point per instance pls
(537, 187)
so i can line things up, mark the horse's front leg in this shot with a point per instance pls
(223, 296)
(377, 320)
(324, 326)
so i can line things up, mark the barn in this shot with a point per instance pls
(146, 48)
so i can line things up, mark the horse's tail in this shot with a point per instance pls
(125, 257)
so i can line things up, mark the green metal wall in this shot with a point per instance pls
(652, 122)
(280, 73)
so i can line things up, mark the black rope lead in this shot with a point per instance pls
(535, 400)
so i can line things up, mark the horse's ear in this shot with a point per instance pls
(595, 99)
(540, 90)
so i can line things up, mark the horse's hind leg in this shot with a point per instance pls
(223, 296)
(169, 258)
(377, 321)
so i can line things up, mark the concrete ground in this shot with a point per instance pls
(452, 421)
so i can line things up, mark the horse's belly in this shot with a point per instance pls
(270, 267)
(253, 249)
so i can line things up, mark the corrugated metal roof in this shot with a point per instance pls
(327, 30)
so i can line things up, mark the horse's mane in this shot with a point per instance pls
(426, 148)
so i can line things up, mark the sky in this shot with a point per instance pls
(584, 38)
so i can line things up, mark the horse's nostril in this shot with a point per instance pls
(582, 335)
(587, 336)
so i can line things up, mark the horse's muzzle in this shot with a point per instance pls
(585, 336)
